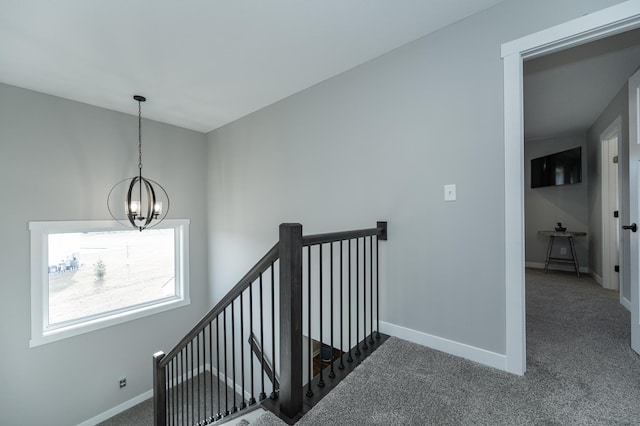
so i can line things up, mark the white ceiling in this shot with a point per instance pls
(202, 64)
(564, 93)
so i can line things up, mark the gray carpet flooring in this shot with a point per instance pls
(142, 414)
(580, 371)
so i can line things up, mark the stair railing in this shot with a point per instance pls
(210, 373)
(267, 365)
(192, 381)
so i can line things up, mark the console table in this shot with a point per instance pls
(569, 235)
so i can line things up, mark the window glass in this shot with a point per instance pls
(93, 273)
(87, 275)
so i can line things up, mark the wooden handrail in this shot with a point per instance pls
(262, 265)
(380, 231)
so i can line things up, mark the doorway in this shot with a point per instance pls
(609, 139)
(597, 25)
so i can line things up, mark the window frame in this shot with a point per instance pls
(42, 333)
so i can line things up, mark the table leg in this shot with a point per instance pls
(546, 262)
(575, 257)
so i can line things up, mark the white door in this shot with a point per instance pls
(610, 223)
(634, 210)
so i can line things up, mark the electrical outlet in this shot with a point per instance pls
(123, 382)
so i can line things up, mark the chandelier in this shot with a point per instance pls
(138, 201)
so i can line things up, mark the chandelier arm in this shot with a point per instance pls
(130, 215)
(151, 202)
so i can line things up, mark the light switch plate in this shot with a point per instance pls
(450, 192)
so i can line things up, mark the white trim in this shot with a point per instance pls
(634, 207)
(106, 415)
(188, 375)
(626, 303)
(149, 394)
(606, 22)
(229, 381)
(603, 23)
(597, 278)
(462, 350)
(42, 333)
(252, 415)
(556, 267)
(514, 216)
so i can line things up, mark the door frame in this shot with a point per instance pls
(607, 22)
(610, 202)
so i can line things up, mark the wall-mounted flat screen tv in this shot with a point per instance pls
(561, 168)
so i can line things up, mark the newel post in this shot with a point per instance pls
(159, 391)
(291, 319)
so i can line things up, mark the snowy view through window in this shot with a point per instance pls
(96, 273)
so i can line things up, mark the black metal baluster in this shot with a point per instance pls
(174, 390)
(198, 372)
(321, 381)
(176, 395)
(182, 384)
(371, 341)
(233, 356)
(364, 292)
(167, 384)
(274, 395)
(185, 382)
(212, 416)
(202, 372)
(263, 395)
(226, 374)
(341, 366)
(243, 405)
(192, 382)
(168, 370)
(310, 357)
(219, 413)
(332, 373)
(252, 400)
(377, 290)
(357, 352)
(349, 358)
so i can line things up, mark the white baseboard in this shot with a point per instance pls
(462, 350)
(626, 303)
(556, 267)
(117, 409)
(229, 381)
(149, 394)
(597, 278)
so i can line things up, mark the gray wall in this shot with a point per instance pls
(619, 107)
(378, 143)
(58, 160)
(546, 206)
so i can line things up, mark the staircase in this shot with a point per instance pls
(259, 340)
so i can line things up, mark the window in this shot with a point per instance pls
(87, 275)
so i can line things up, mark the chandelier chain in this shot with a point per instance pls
(139, 136)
